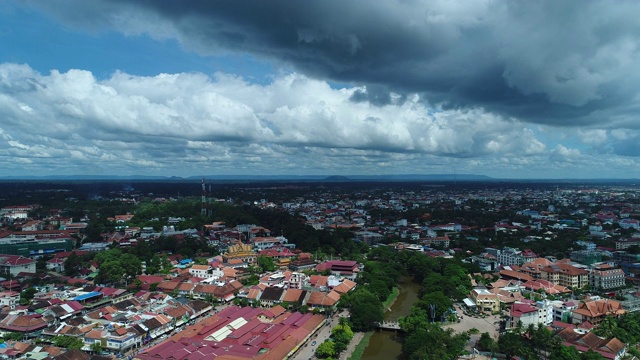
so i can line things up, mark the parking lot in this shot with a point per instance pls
(488, 324)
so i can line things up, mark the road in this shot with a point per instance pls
(307, 351)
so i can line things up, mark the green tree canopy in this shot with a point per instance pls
(366, 310)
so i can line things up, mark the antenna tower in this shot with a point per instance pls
(203, 211)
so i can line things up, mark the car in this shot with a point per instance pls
(313, 343)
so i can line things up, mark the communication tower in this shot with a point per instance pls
(203, 211)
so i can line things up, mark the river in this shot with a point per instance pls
(386, 345)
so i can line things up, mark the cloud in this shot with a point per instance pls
(546, 62)
(190, 121)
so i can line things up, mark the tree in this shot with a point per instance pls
(591, 355)
(326, 350)
(266, 263)
(366, 310)
(440, 302)
(27, 295)
(131, 265)
(433, 342)
(137, 284)
(108, 255)
(68, 342)
(486, 342)
(513, 344)
(72, 264)
(110, 271)
(565, 353)
(96, 347)
(379, 288)
(342, 335)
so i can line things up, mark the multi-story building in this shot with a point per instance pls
(30, 245)
(9, 299)
(605, 277)
(564, 274)
(510, 256)
(485, 301)
(205, 272)
(297, 280)
(368, 237)
(562, 310)
(627, 243)
(523, 315)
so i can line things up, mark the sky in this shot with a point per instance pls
(507, 89)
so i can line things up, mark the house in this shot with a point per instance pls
(271, 296)
(345, 268)
(595, 311)
(323, 301)
(9, 298)
(609, 348)
(205, 271)
(15, 264)
(56, 264)
(23, 323)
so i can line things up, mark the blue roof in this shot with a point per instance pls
(87, 296)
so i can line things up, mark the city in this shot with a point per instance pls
(266, 270)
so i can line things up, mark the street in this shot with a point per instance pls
(307, 351)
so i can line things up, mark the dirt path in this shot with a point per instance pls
(357, 337)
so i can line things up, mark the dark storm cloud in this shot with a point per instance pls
(547, 61)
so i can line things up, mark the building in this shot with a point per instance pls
(596, 311)
(509, 256)
(627, 243)
(605, 277)
(522, 315)
(9, 299)
(609, 348)
(562, 310)
(345, 268)
(242, 252)
(14, 264)
(485, 301)
(564, 274)
(205, 271)
(368, 237)
(239, 333)
(31, 246)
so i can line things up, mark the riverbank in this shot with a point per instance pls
(360, 341)
(358, 349)
(386, 305)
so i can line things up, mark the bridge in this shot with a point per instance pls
(389, 325)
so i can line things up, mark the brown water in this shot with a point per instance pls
(386, 345)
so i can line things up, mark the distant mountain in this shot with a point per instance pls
(419, 177)
(308, 178)
(333, 178)
(337, 178)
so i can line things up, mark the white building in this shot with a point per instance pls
(14, 264)
(605, 277)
